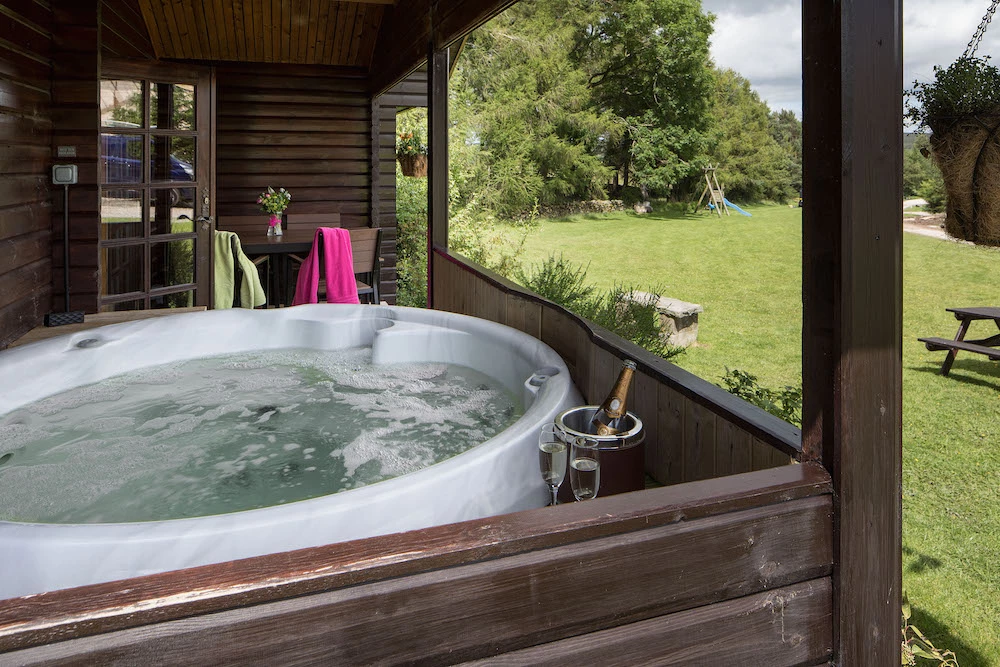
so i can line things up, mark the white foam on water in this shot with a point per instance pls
(237, 432)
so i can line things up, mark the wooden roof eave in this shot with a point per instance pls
(409, 29)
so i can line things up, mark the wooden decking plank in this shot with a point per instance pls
(94, 320)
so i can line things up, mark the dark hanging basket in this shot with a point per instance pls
(413, 165)
(968, 153)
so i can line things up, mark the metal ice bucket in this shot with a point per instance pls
(623, 464)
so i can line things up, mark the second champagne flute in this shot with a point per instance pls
(585, 468)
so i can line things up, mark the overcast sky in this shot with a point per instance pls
(762, 40)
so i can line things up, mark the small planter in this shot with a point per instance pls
(413, 165)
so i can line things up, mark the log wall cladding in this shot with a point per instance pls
(310, 130)
(25, 146)
(76, 114)
(694, 429)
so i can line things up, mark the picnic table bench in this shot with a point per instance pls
(966, 316)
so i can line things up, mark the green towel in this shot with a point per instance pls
(251, 290)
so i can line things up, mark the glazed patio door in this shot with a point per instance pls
(157, 186)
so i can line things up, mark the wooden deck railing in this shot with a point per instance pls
(734, 570)
(694, 429)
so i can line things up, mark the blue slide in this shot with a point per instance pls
(736, 208)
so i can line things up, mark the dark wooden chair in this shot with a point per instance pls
(312, 222)
(366, 244)
(246, 223)
(366, 247)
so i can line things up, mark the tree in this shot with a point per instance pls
(752, 165)
(527, 106)
(786, 129)
(647, 62)
(918, 167)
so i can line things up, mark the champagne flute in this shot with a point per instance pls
(585, 468)
(552, 457)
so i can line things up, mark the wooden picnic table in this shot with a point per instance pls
(966, 316)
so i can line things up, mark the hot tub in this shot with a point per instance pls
(497, 476)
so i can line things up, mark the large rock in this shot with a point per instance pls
(678, 319)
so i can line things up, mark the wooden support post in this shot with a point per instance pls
(852, 307)
(437, 170)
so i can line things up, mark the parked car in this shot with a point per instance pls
(121, 155)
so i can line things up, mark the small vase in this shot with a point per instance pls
(274, 226)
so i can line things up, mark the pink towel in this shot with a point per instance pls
(338, 267)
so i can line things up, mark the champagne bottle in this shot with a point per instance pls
(607, 420)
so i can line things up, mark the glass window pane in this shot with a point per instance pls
(123, 269)
(121, 158)
(121, 103)
(171, 159)
(166, 206)
(135, 304)
(171, 263)
(121, 214)
(171, 106)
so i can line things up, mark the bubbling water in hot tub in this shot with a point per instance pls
(246, 431)
(287, 373)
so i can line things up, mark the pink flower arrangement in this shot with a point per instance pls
(274, 201)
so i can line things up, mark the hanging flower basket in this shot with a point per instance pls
(968, 155)
(413, 165)
(961, 107)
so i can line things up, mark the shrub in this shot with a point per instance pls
(916, 645)
(636, 321)
(785, 403)
(932, 190)
(411, 241)
(562, 282)
(630, 195)
(558, 281)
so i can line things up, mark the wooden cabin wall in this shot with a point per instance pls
(694, 430)
(25, 145)
(309, 130)
(76, 118)
(725, 571)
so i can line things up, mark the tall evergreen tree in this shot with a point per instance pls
(521, 99)
(786, 129)
(751, 163)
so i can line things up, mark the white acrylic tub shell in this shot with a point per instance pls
(499, 476)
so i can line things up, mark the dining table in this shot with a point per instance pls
(278, 248)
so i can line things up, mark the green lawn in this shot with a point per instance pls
(746, 272)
